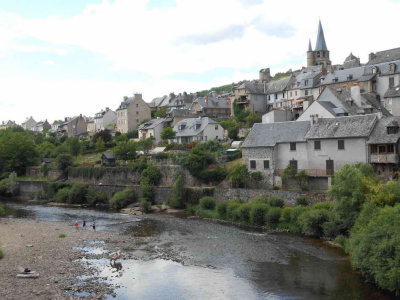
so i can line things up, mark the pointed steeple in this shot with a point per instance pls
(309, 45)
(321, 44)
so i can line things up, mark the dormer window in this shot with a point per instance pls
(392, 129)
(350, 77)
(392, 67)
(198, 125)
(335, 79)
(182, 126)
(374, 70)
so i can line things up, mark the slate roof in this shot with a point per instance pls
(329, 106)
(343, 96)
(280, 85)
(357, 74)
(268, 135)
(190, 126)
(371, 98)
(253, 87)
(393, 92)
(320, 44)
(109, 155)
(385, 56)
(124, 104)
(380, 136)
(151, 124)
(342, 127)
(384, 68)
(209, 102)
(298, 81)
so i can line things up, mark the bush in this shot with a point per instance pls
(147, 190)
(230, 210)
(78, 193)
(3, 210)
(179, 192)
(62, 235)
(260, 199)
(207, 203)
(256, 176)
(286, 216)
(221, 209)
(62, 195)
(151, 174)
(145, 205)
(122, 199)
(94, 198)
(243, 213)
(239, 176)
(312, 221)
(212, 176)
(302, 200)
(273, 215)
(276, 202)
(64, 161)
(257, 213)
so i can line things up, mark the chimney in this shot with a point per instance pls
(137, 96)
(125, 98)
(371, 56)
(313, 119)
(355, 95)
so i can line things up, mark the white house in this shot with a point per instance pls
(105, 119)
(152, 128)
(201, 129)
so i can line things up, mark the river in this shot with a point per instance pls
(216, 261)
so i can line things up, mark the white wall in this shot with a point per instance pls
(315, 109)
(211, 133)
(355, 150)
(283, 155)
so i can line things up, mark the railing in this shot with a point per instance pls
(310, 172)
(385, 158)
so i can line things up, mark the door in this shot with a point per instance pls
(329, 167)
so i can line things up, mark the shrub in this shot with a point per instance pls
(151, 174)
(302, 180)
(230, 210)
(207, 203)
(328, 205)
(257, 213)
(260, 199)
(179, 192)
(161, 155)
(239, 176)
(94, 198)
(213, 176)
(302, 200)
(273, 215)
(62, 235)
(64, 161)
(122, 199)
(145, 205)
(243, 213)
(147, 190)
(3, 210)
(286, 216)
(311, 222)
(276, 202)
(221, 208)
(256, 176)
(78, 193)
(62, 195)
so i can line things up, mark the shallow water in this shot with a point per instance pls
(214, 261)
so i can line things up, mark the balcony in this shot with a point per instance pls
(310, 172)
(389, 158)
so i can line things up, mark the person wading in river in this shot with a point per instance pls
(94, 225)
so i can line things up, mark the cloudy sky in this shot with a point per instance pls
(60, 57)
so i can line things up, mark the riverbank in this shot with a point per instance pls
(42, 247)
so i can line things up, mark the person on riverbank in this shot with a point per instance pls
(84, 224)
(94, 225)
(76, 225)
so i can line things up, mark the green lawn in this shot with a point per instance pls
(89, 159)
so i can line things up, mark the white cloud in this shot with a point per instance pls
(49, 62)
(232, 34)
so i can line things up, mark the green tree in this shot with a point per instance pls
(146, 144)
(100, 146)
(179, 192)
(253, 118)
(74, 146)
(374, 245)
(168, 134)
(46, 149)
(239, 176)
(64, 161)
(126, 150)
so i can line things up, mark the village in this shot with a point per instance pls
(314, 120)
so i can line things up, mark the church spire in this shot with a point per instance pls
(321, 44)
(309, 45)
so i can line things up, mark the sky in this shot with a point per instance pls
(63, 58)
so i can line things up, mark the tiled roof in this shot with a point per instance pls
(268, 135)
(343, 127)
(380, 136)
(151, 124)
(208, 102)
(280, 85)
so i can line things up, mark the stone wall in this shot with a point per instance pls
(37, 172)
(28, 189)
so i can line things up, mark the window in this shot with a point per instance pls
(389, 101)
(252, 164)
(340, 144)
(137, 105)
(392, 129)
(292, 146)
(391, 82)
(290, 94)
(382, 149)
(137, 113)
(295, 93)
(216, 137)
(306, 92)
(390, 148)
(266, 164)
(293, 164)
(216, 127)
(374, 149)
(276, 96)
(317, 145)
(306, 82)
(198, 126)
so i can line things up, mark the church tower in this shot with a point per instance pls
(320, 55)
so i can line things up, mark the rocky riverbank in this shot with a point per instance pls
(55, 250)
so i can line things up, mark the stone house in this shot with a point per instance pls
(392, 100)
(384, 147)
(105, 119)
(251, 95)
(29, 124)
(211, 107)
(200, 129)
(8, 124)
(270, 148)
(42, 126)
(153, 128)
(91, 126)
(132, 112)
(76, 126)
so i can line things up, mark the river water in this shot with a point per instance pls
(215, 261)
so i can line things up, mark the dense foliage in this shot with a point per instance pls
(122, 199)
